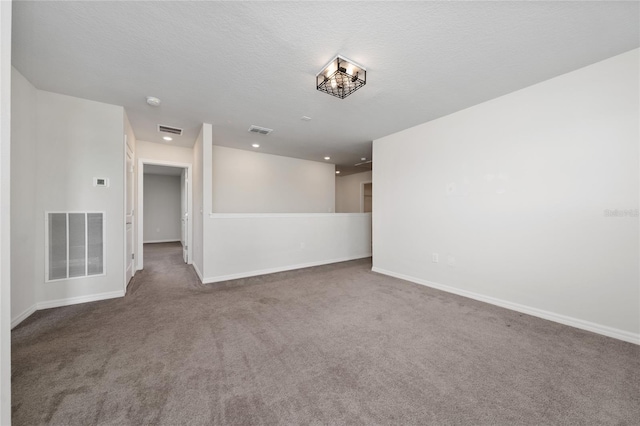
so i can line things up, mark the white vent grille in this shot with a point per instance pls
(74, 244)
(172, 130)
(261, 130)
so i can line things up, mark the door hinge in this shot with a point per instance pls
(133, 256)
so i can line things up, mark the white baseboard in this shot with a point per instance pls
(198, 273)
(23, 316)
(80, 299)
(161, 241)
(267, 271)
(64, 302)
(551, 316)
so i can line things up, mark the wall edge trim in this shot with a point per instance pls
(211, 280)
(539, 313)
(198, 273)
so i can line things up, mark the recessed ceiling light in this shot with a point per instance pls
(337, 172)
(327, 158)
(167, 138)
(153, 101)
(256, 145)
(363, 159)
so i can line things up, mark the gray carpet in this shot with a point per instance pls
(334, 344)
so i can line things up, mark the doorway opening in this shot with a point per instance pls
(164, 206)
(366, 203)
(366, 197)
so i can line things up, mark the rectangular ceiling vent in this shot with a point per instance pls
(167, 129)
(261, 130)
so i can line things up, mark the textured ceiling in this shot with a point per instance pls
(234, 64)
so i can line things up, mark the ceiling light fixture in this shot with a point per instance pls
(167, 138)
(341, 77)
(255, 145)
(153, 101)
(327, 158)
(337, 172)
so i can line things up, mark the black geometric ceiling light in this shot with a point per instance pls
(341, 77)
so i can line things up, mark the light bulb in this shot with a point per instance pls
(331, 68)
(350, 69)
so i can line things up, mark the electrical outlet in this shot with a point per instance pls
(435, 258)
(451, 261)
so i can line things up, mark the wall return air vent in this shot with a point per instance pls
(261, 130)
(167, 129)
(75, 245)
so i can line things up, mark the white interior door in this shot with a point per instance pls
(129, 215)
(184, 214)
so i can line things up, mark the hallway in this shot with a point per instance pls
(164, 269)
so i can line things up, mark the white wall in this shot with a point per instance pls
(243, 245)
(24, 213)
(5, 208)
(78, 140)
(60, 144)
(515, 191)
(162, 206)
(161, 152)
(348, 191)
(252, 182)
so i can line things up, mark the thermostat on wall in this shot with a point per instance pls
(100, 181)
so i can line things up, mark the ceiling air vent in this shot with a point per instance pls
(167, 129)
(261, 130)
(365, 165)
